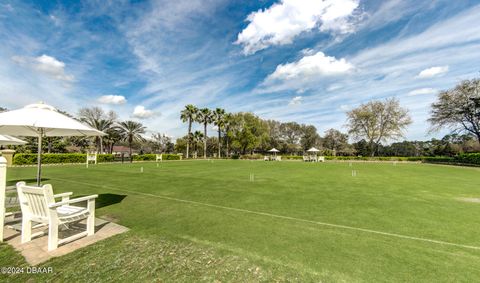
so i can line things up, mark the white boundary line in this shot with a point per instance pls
(283, 217)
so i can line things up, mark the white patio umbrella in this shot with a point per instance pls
(42, 120)
(9, 140)
(313, 150)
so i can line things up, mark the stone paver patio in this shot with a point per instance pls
(36, 252)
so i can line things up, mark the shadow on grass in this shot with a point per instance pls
(108, 199)
(28, 181)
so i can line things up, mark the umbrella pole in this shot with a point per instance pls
(39, 157)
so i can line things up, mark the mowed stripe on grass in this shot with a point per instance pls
(386, 223)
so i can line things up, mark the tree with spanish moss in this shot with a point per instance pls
(458, 109)
(378, 121)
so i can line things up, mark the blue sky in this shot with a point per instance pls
(291, 60)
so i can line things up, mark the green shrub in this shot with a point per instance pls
(153, 157)
(468, 158)
(105, 158)
(255, 156)
(438, 159)
(57, 158)
(144, 157)
(292, 157)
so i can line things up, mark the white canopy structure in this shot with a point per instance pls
(9, 140)
(313, 150)
(42, 120)
(274, 150)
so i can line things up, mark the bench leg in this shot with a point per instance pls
(26, 230)
(91, 218)
(53, 234)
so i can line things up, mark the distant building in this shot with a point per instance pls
(125, 150)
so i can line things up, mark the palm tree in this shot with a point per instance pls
(189, 115)
(197, 137)
(219, 121)
(131, 132)
(103, 125)
(227, 124)
(204, 117)
(96, 118)
(113, 136)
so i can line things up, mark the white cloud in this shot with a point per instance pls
(433, 72)
(142, 113)
(311, 66)
(112, 99)
(282, 22)
(47, 65)
(334, 87)
(297, 100)
(421, 91)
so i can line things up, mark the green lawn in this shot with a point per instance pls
(206, 221)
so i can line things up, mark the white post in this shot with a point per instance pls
(3, 187)
(39, 157)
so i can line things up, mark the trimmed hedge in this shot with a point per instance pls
(292, 157)
(57, 158)
(153, 157)
(468, 158)
(255, 156)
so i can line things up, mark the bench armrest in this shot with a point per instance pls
(75, 200)
(63, 195)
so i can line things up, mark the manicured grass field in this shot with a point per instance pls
(206, 221)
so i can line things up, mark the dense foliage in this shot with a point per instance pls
(153, 157)
(58, 158)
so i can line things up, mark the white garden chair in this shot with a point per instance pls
(159, 157)
(278, 158)
(38, 205)
(321, 159)
(265, 158)
(91, 157)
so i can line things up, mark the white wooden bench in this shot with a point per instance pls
(38, 205)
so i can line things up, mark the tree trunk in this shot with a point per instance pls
(49, 148)
(205, 141)
(130, 150)
(372, 149)
(219, 143)
(188, 136)
(228, 148)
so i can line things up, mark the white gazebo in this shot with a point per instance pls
(274, 151)
(313, 155)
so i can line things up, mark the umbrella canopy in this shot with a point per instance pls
(34, 118)
(313, 150)
(42, 120)
(9, 140)
(274, 150)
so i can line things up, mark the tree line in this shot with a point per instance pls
(371, 129)
(370, 126)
